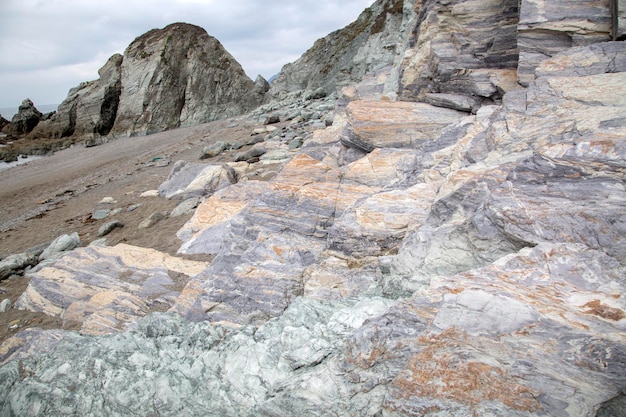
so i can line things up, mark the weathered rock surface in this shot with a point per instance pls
(108, 227)
(179, 76)
(24, 121)
(479, 273)
(196, 180)
(105, 288)
(463, 48)
(548, 27)
(89, 110)
(394, 124)
(61, 244)
(376, 39)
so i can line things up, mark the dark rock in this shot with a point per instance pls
(3, 122)
(272, 119)
(26, 119)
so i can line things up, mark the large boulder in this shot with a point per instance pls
(180, 76)
(390, 124)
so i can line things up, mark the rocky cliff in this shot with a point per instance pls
(375, 40)
(89, 110)
(414, 258)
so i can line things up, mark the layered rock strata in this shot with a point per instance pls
(546, 28)
(461, 52)
(477, 270)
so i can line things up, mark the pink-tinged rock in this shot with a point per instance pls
(106, 288)
(390, 124)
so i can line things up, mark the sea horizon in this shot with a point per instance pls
(9, 112)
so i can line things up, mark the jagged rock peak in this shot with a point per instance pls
(179, 76)
(25, 120)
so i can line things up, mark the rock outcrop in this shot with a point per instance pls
(462, 53)
(171, 77)
(375, 40)
(545, 29)
(445, 262)
(180, 76)
(24, 121)
(89, 110)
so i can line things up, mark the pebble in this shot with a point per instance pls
(108, 200)
(107, 228)
(5, 305)
(100, 214)
(153, 219)
(150, 193)
(185, 207)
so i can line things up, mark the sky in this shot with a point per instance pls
(50, 46)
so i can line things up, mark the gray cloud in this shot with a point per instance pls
(50, 46)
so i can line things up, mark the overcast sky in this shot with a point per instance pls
(50, 46)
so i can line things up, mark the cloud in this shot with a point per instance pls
(48, 47)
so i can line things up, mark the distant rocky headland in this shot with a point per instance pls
(423, 215)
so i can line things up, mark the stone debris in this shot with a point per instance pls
(61, 244)
(153, 219)
(108, 227)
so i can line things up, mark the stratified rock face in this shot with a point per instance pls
(89, 109)
(619, 20)
(462, 53)
(25, 120)
(179, 76)
(375, 40)
(394, 124)
(549, 27)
